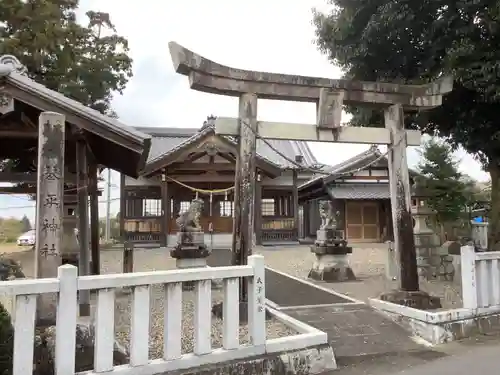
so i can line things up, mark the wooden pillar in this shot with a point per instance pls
(165, 204)
(123, 203)
(399, 183)
(49, 208)
(307, 218)
(258, 211)
(245, 186)
(83, 222)
(295, 203)
(94, 220)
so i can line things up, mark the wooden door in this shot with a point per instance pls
(370, 222)
(362, 221)
(354, 221)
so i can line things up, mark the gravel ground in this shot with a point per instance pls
(368, 263)
(153, 260)
(275, 329)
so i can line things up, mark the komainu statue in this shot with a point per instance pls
(327, 215)
(189, 221)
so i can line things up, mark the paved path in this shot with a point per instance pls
(354, 329)
(282, 290)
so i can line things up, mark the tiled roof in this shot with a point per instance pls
(359, 191)
(329, 172)
(167, 140)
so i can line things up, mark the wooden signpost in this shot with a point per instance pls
(329, 95)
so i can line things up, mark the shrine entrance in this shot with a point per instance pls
(330, 96)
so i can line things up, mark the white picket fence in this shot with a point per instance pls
(480, 278)
(68, 283)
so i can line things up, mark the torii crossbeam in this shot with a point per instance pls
(330, 95)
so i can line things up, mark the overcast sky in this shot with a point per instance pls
(259, 35)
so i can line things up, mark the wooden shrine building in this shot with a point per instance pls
(92, 141)
(359, 188)
(187, 162)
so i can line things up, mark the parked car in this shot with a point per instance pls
(26, 239)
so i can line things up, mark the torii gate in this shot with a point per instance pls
(329, 96)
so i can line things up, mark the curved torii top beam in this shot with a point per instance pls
(208, 76)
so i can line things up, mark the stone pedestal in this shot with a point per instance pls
(191, 252)
(332, 258)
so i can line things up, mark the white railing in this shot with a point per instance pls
(480, 278)
(67, 284)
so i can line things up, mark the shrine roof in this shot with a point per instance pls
(167, 140)
(369, 158)
(330, 172)
(114, 144)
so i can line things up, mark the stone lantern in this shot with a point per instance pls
(433, 260)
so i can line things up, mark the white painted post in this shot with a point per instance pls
(469, 277)
(483, 282)
(104, 330)
(256, 301)
(231, 314)
(24, 334)
(67, 312)
(495, 282)
(172, 332)
(203, 317)
(139, 332)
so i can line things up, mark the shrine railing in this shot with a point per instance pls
(23, 296)
(480, 278)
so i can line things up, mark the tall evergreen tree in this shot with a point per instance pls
(446, 190)
(419, 41)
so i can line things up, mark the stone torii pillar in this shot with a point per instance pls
(329, 95)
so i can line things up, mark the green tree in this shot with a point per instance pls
(88, 63)
(445, 187)
(10, 229)
(25, 224)
(419, 41)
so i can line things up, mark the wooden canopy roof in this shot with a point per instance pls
(112, 144)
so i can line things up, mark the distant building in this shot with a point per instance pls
(359, 187)
(182, 159)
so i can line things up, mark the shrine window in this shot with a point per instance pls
(226, 209)
(133, 208)
(268, 207)
(184, 206)
(151, 207)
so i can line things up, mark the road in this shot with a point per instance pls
(482, 360)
